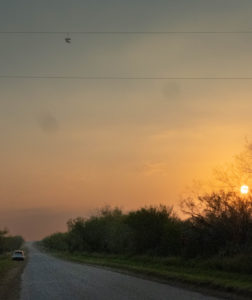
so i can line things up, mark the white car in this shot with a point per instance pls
(18, 255)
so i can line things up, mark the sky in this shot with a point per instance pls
(71, 146)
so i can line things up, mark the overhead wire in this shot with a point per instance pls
(128, 32)
(74, 77)
(117, 77)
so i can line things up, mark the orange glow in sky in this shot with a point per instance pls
(69, 147)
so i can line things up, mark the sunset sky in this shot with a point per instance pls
(70, 146)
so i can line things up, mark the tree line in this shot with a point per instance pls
(217, 224)
(8, 242)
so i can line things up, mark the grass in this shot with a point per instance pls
(6, 264)
(195, 273)
(10, 275)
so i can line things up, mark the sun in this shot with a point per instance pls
(244, 189)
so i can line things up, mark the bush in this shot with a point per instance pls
(56, 241)
(220, 225)
(154, 230)
(9, 243)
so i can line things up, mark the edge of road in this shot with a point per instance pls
(10, 286)
(205, 289)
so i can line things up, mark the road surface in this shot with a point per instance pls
(48, 278)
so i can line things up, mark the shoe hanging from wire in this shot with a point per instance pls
(68, 39)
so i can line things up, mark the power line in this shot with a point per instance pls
(118, 77)
(125, 32)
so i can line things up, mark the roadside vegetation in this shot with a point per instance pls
(9, 243)
(211, 247)
(10, 271)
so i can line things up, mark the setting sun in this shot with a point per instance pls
(244, 189)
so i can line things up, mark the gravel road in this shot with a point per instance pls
(49, 278)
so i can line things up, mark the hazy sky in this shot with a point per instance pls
(71, 146)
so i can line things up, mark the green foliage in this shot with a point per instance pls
(106, 232)
(3, 234)
(57, 241)
(9, 243)
(153, 230)
(220, 225)
(223, 226)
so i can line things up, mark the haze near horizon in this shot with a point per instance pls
(70, 146)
